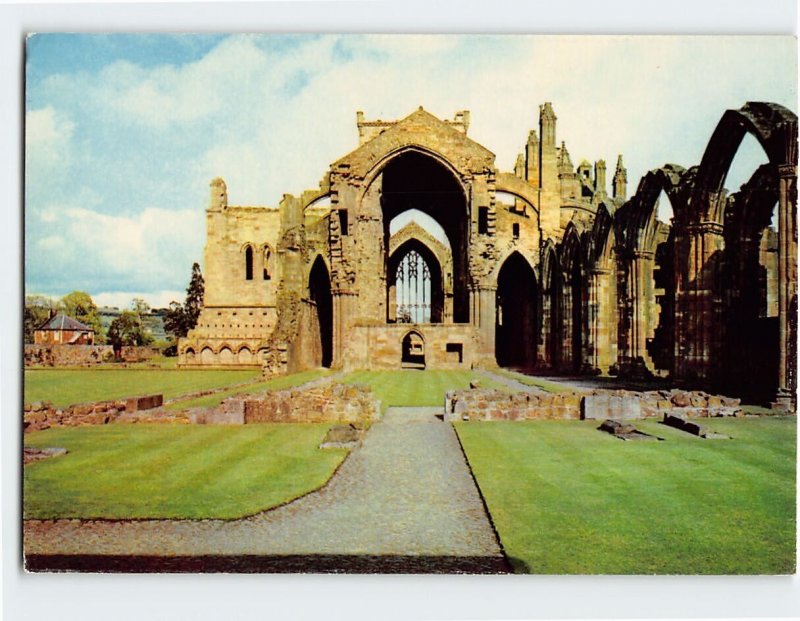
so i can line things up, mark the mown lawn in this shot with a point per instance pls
(538, 382)
(174, 471)
(568, 499)
(65, 387)
(278, 383)
(416, 388)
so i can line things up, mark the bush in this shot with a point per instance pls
(170, 351)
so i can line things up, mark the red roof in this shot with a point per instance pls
(62, 322)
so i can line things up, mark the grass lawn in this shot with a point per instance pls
(65, 387)
(416, 388)
(538, 382)
(279, 383)
(568, 499)
(175, 471)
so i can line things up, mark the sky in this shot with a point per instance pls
(124, 132)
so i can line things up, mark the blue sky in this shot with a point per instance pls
(124, 132)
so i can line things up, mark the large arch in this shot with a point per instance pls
(416, 179)
(716, 224)
(319, 292)
(516, 324)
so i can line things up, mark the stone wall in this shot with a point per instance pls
(490, 404)
(326, 403)
(42, 415)
(57, 355)
(454, 346)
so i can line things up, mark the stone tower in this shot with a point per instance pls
(620, 180)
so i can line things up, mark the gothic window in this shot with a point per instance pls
(248, 263)
(267, 254)
(483, 220)
(413, 289)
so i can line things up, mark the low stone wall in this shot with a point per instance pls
(43, 415)
(60, 355)
(327, 403)
(490, 404)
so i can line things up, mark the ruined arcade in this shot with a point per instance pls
(416, 251)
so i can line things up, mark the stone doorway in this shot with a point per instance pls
(413, 351)
(516, 318)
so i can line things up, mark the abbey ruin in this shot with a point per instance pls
(551, 267)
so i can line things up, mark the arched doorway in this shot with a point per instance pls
(417, 180)
(319, 292)
(416, 291)
(516, 316)
(413, 351)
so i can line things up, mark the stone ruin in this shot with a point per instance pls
(550, 266)
(491, 404)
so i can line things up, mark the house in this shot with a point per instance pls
(65, 330)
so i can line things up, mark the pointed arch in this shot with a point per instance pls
(516, 319)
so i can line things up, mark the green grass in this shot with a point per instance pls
(279, 383)
(416, 388)
(65, 387)
(175, 471)
(538, 382)
(568, 499)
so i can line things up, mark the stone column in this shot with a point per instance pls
(484, 308)
(599, 318)
(344, 306)
(787, 281)
(642, 275)
(700, 323)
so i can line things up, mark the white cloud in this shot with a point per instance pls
(123, 299)
(271, 119)
(47, 139)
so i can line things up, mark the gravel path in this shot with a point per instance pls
(407, 491)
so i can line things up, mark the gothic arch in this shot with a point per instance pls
(384, 162)
(435, 270)
(516, 320)
(775, 128)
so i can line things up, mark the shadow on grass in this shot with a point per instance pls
(277, 564)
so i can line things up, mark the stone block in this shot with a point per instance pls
(603, 406)
(147, 402)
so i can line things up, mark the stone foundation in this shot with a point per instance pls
(328, 403)
(485, 404)
(60, 355)
(39, 416)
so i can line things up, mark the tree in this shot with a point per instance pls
(181, 318)
(79, 305)
(127, 330)
(37, 310)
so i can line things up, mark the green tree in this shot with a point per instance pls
(37, 309)
(79, 305)
(181, 318)
(127, 330)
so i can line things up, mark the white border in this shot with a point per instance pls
(353, 597)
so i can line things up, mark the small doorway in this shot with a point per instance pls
(413, 351)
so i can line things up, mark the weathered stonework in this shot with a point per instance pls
(146, 409)
(543, 267)
(327, 403)
(487, 405)
(58, 355)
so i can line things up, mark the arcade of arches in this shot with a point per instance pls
(547, 268)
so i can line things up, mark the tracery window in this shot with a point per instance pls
(413, 280)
